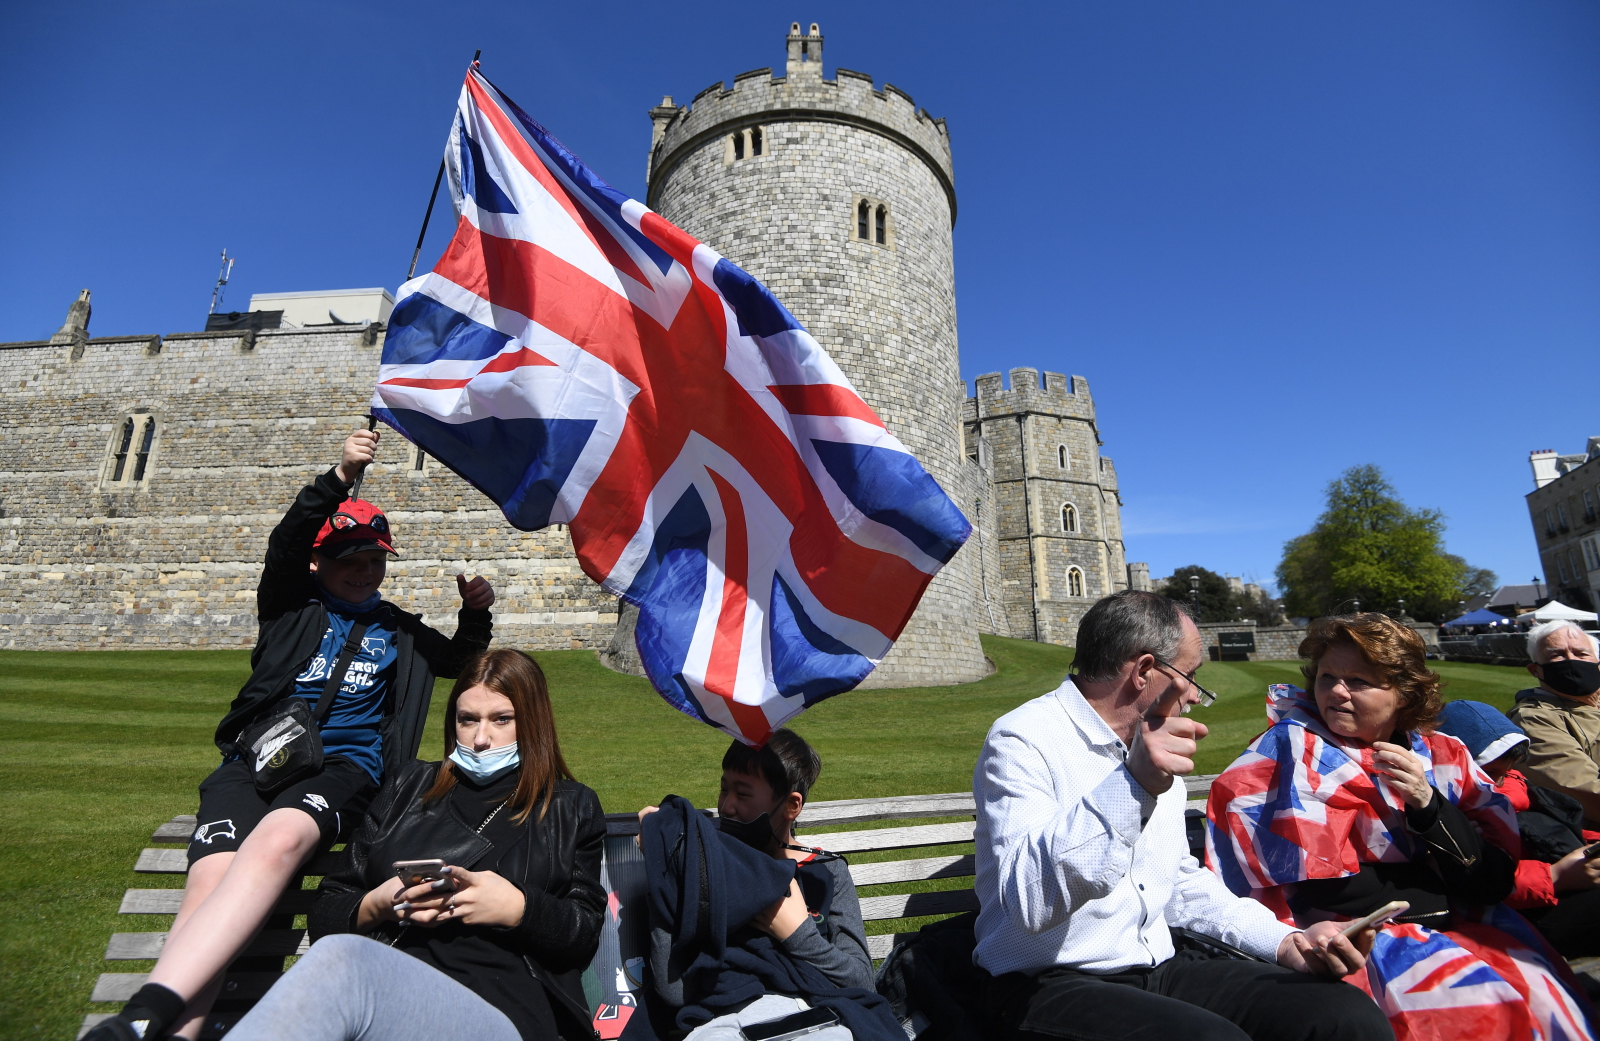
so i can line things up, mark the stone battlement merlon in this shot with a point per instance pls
(1060, 395)
(802, 95)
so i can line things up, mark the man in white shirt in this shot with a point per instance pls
(1083, 865)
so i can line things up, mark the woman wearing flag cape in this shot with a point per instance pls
(1351, 800)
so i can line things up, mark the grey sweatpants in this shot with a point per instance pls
(350, 988)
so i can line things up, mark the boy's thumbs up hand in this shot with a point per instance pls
(477, 594)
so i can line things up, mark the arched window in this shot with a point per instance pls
(738, 144)
(1061, 456)
(755, 140)
(126, 438)
(1069, 517)
(861, 219)
(883, 225)
(132, 444)
(1074, 582)
(144, 449)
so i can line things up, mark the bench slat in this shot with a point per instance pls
(163, 861)
(914, 905)
(275, 943)
(169, 860)
(178, 829)
(236, 986)
(911, 870)
(167, 901)
(894, 838)
(879, 946)
(853, 811)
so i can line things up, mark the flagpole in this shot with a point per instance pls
(355, 487)
(427, 216)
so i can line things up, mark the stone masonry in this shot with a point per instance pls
(172, 558)
(1059, 513)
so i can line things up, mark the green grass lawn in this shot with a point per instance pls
(99, 747)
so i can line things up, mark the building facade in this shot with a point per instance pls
(1564, 507)
(139, 475)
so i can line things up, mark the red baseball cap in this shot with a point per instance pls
(358, 525)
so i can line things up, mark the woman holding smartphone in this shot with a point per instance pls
(1352, 801)
(499, 910)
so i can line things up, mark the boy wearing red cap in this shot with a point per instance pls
(325, 561)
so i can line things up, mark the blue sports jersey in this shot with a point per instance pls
(352, 727)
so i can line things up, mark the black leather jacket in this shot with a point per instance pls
(556, 865)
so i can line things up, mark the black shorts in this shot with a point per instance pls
(231, 807)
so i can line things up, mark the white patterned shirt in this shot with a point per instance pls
(1078, 865)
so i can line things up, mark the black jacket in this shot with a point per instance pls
(556, 864)
(705, 886)
(292, 622)
(1459, 864)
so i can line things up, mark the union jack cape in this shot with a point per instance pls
(1302, 804)
(582, 361)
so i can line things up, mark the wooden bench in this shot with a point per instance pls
(899, 884)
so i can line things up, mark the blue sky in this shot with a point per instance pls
(1279, 239)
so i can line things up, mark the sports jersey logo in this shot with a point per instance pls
(222, 829)
(316, 802)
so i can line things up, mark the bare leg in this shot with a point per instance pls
(204, 941)
(205, 875)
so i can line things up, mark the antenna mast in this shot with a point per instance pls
(222, 280)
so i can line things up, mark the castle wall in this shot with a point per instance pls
(885, 313)
(173, 560)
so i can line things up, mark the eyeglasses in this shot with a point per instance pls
(1207, 697)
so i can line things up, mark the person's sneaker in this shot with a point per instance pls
(118, 1029)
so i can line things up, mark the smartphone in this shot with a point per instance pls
(807, 1021)
(1392, 909)
(1592, 852)
(416, 872)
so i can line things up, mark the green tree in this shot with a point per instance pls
(1370, 547)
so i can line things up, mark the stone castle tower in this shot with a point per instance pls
(1059, 524)
(841, 198)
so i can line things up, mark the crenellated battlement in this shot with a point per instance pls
(760, 97)
(1059, 395)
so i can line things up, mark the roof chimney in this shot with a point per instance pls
(1544, 467)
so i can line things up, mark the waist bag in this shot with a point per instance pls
(287, 746)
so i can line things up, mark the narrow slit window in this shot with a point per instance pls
(755, 141)
(421, 462)
(1061, 456)
(122, 450)
(738, 145)
(881, 228)
(861, 221)
(144, 448)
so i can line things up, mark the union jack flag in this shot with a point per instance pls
(582, 361)
(1302, 804)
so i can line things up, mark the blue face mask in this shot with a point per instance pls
(485, 766)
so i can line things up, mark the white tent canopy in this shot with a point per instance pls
(1556, 611)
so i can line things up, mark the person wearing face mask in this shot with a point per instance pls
(818, 922)
(1561, 716)
(495, 948)
(327, 641)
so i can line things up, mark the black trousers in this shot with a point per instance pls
(1189, 997)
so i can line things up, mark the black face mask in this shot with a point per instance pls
(755, 833)
(1573, 677)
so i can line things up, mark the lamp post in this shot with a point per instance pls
(1194, 595)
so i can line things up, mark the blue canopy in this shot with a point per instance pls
(1482, 616)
